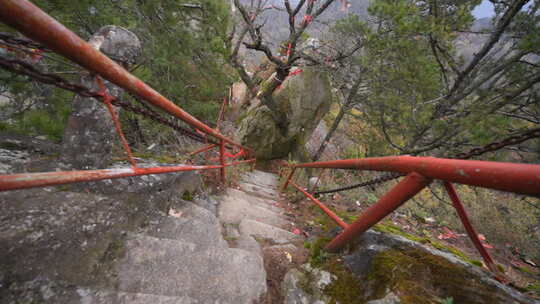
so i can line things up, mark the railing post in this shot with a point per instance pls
(325, 209)
(403, 191)
(289, 179)
(470, 230)
(222, 160)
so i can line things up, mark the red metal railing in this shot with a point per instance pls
(420, 172)
(36, 24)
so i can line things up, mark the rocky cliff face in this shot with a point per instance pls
(304, 99)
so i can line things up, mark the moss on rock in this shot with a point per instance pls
(419, 277)
(389, 228)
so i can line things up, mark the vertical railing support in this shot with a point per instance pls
(288, 179)
(470, 230)
(403, 191)
(222, 160)
(325, 209)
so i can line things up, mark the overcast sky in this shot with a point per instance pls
(485, 9)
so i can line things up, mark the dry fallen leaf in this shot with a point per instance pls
(486, 245)
(289, 256)
(448, 234)
(175, 213)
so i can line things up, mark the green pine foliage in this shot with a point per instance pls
(184, 54)
(409, 63)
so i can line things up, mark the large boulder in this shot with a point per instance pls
(90, 135)
(383, 268)
(304, 99)
(391, 265)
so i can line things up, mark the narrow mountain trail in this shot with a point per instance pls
(209, 250)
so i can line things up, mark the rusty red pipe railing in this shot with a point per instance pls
(511, 177)
(402, 192)
(221, 113)
(240, 162)
(203, 149)
(325, 209)
(293, 169)
(43, 179)
(222, 160)
(470, 229)
(517, 178)
(36, 24)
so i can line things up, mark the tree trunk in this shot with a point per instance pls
(344, 108)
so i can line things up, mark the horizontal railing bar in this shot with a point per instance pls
(36, 24)
(325, 209)
(512, 177)
(240, 162)
(203, 149)
(43, 179)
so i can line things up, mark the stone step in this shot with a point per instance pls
(111, 297)
(258, 184)
(257, 179)
(191, 230)
(242, 241)
(207, 202)
(262, 178)
(233, 209)
(265, 175)
(258, 191)
(173, 268)
(257, 201)
(258, 229)
(190, 223)
(189, 209)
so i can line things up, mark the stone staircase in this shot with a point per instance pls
(205, 251)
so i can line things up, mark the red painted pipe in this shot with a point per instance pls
(288, 179)
(470, 230)
(512, 177)
(325, 209)
(240, 162)
(36, 24)
(43, 179)
(222, 161)
(403, 191)
(204, 149)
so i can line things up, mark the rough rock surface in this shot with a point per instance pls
(58, 235)
(134, 241)
(21, 142)
(306, 285)
(90, 133)
(304, 99)
(391, 269)
(424, 274)
(11, 159)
